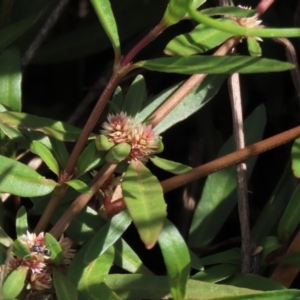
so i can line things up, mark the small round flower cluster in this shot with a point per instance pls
(38, 262)
(121, 128)
(250, 22)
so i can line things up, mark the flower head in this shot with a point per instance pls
(250, 22)
(38, 263)
(121, 128)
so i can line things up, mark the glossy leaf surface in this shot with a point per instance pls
(290, 219)
(59, 130)
(219, 193)
(196, 99)
(296, 158)
(174, 13)
(177, 259)
(18, 179)
(106, 18)
(10, 79)
(135, 96)
(64, 288)
(127, 259)
(89, 159)
(217, 273)
(272, 212)
(55, 249)
(144, 199)
(45, 154)
(232, 256)
(107, 236)
(215, 65)
(21, 222)
(136, 287)
(199, 40)
(79, 186)
(14, 283)
(170, 166)
(118, 153)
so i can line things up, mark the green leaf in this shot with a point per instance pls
(45, 154)
(290, 219)
(197, 3)
(89, 159)
(290, 259)
(215, 65)
(83, 227)
(59, 130)
(21, 222)
(127, 259)
(174, 13)
(10, 33)
(219, 193)
(196, 99)
(79, 186)
(232, 256)
(170, 166)
(253, 47)
(12, 133)
(103, 143)
(89, 38)
(14, 283)
(106, 18)
(64, 288)
(60, 152)
(10, 79)
(177, 259)
(107, 236)
(94, 273)
(255, 282)
(217, 273)
(296, 158)
(199, 40)
(56, 252)
(273, 210)
(18, 179)
(241, 30)
(116, 102)
(196, 262)
(135, 287)
(135, 96)
(19, 249)
(144, 199)
(118, 153)
(229, 11)
(269, 244)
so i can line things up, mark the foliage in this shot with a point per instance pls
(85, 251)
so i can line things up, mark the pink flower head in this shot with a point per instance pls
(121, 128)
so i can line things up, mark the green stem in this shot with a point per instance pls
(243, 31)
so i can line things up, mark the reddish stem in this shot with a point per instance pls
(142, 43)
(91, 122)
(263, 6)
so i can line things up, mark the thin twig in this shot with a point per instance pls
(263, 6)
(231, 159)
(56, 196)
(43, 33)
(82, 200)
(187, 87)
(241, 170)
